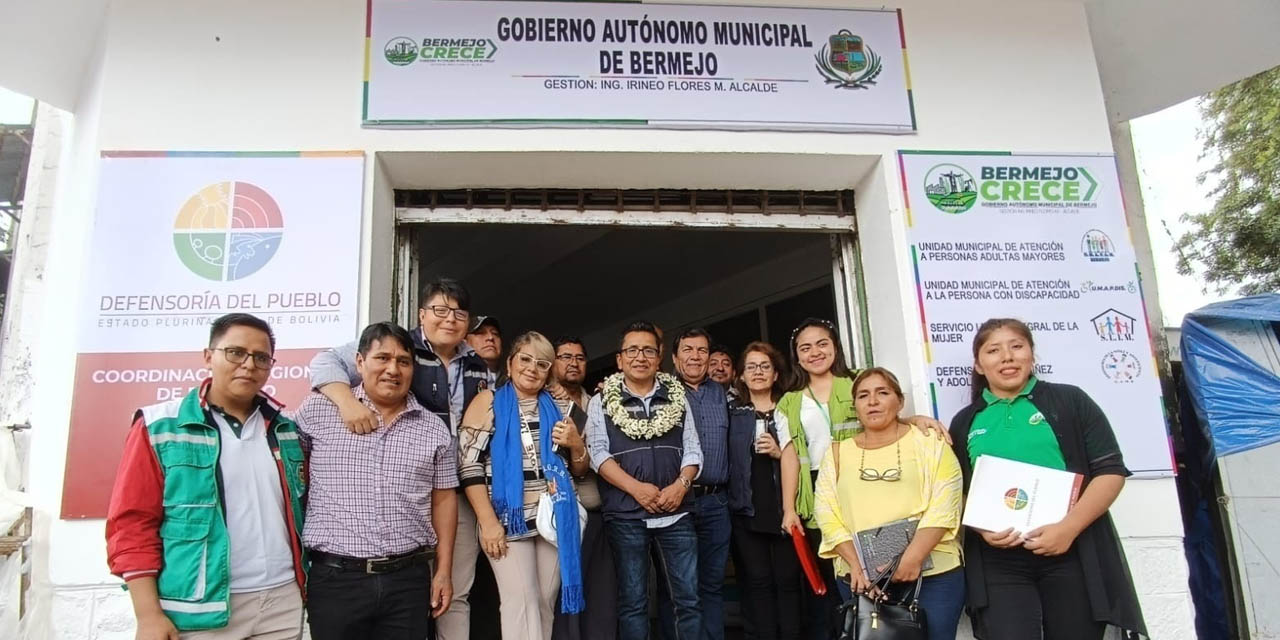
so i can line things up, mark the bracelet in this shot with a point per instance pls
(685, 481)
(581, 457)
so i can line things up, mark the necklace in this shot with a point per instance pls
(663, 420)
(888, 475)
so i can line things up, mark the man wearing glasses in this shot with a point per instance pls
(447, 374)
(205, 515)
(643, 444)
(570, 370)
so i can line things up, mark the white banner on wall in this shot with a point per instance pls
(1043, 239)
(474, 63)
(182, 238)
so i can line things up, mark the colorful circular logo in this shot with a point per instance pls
(1121, 366)
(228, 231)
(1015, 499)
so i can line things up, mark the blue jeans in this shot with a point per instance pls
(941, 598)
(676, 547)
(711, 521)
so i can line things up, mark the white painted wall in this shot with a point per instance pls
(244, 75)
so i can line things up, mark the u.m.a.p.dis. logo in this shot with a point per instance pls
(228, 230)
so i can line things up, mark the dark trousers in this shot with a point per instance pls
(769, 574)
(710, 515)
(1031, 596)
(821, 613)
(941, 599)
(599, 621)
(351, 605)
(677, 555)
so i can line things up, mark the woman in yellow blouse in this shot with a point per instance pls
(888, 472)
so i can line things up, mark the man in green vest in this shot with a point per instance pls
(206, 511)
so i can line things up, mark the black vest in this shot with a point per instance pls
(431, 380)
(655, 461)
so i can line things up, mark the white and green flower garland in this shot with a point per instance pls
(662, 421)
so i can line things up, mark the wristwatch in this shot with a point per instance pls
(685, 481)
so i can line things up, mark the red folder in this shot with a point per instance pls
(808, 561)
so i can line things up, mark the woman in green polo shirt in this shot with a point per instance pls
(1067, 580)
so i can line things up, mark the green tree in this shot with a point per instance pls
(1236, 244)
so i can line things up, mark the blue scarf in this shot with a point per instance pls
(507, 457)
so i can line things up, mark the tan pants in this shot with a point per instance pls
(455, 624)
(528, 583)
(271, 614)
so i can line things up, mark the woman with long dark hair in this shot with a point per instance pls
(768, 570)
(1067, 580)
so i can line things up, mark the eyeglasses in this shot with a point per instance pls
(571, 357)
(762, 367)
(526, 360)
(888, 475)
(634, 352)
(236, 355)
(442, 311)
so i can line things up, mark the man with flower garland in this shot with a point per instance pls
(642, 440)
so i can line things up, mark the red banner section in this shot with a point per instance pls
(110, 387)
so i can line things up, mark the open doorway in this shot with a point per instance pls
(591, 281)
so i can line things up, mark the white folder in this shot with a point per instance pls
(1010, 494)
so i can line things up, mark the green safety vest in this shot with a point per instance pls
(195, 580)
(844, 425)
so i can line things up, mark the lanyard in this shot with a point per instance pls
(526, 440)
(821, 408)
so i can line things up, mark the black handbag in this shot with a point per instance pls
(885, 618)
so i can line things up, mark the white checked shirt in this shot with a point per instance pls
(370, 495)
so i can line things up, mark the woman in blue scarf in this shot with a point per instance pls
(502, 445)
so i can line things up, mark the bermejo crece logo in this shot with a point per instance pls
(228, 231)
(402, 51)
(847, 62)
(950, 188)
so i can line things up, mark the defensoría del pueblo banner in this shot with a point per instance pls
(476, 63)
(181, 238)
(1040, 238)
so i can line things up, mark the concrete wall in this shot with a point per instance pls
(242, 75)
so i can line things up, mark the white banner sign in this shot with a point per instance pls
(178, 241)
(1043, 239)
(182, 238)
(472, 63)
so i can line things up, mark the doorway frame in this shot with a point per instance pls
(847, 274)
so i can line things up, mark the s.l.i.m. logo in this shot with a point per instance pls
(950, 188)
(847, 62)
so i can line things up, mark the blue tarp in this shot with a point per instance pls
(1236, 400)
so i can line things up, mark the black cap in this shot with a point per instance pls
(480, 321)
